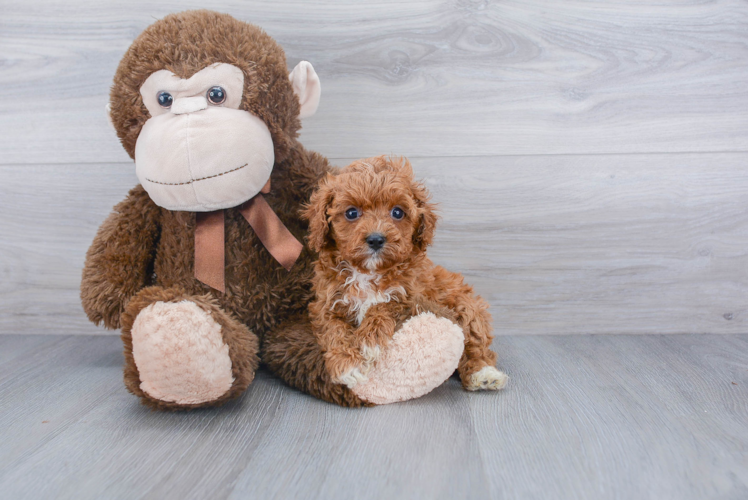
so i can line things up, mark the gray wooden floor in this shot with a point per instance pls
(584, 417)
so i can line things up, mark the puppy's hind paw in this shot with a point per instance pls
(487, 378)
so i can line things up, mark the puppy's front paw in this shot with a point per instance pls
(346, 367)
(352, 378)
(487, 378)
(371, 354)
(358, 374)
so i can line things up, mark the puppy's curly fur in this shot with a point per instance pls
(371, 225)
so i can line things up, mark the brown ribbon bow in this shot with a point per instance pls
(209, 239)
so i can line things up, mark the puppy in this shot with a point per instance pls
(371, 225)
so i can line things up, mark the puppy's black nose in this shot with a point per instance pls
(375, 241)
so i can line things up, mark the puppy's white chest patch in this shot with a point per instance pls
(361, 293)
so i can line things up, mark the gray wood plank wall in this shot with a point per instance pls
(590, 157)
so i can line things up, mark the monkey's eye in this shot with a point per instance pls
(352, 213)
(165, 99)
(397, 213)
(217, 95)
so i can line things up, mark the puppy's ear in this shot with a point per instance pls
(427, 218)
(316, 213)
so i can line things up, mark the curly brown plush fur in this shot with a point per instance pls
(292, 353)
(142, 245)
(187, 42)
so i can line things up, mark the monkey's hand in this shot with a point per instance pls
(118, 261)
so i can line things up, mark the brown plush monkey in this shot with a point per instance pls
(205, 106)
(202, 260)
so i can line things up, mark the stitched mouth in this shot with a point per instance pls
(192, 181)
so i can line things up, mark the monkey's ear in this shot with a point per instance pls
(307, 88)
(108, 110)
(316, 213)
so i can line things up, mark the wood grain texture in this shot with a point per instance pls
(557, 244)
(584, 417)
(46, 229)
(424, 78)
(619, 244)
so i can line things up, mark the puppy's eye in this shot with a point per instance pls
(216, 95)
(164, 99)
(352, 213)
(397, 213)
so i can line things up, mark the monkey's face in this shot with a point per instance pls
(199, 151)
(205, 105)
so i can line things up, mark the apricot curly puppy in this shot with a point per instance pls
(371, 225)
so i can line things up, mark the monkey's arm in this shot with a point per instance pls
(119, 261)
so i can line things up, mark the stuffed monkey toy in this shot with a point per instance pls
(203, 260)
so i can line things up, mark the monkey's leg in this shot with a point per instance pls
(291, 351)
(421, 355)
(183, 351)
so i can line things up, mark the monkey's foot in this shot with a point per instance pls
(185, 352)
(180, 353)
(421, 355)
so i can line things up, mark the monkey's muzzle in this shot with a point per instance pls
(204, 160)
